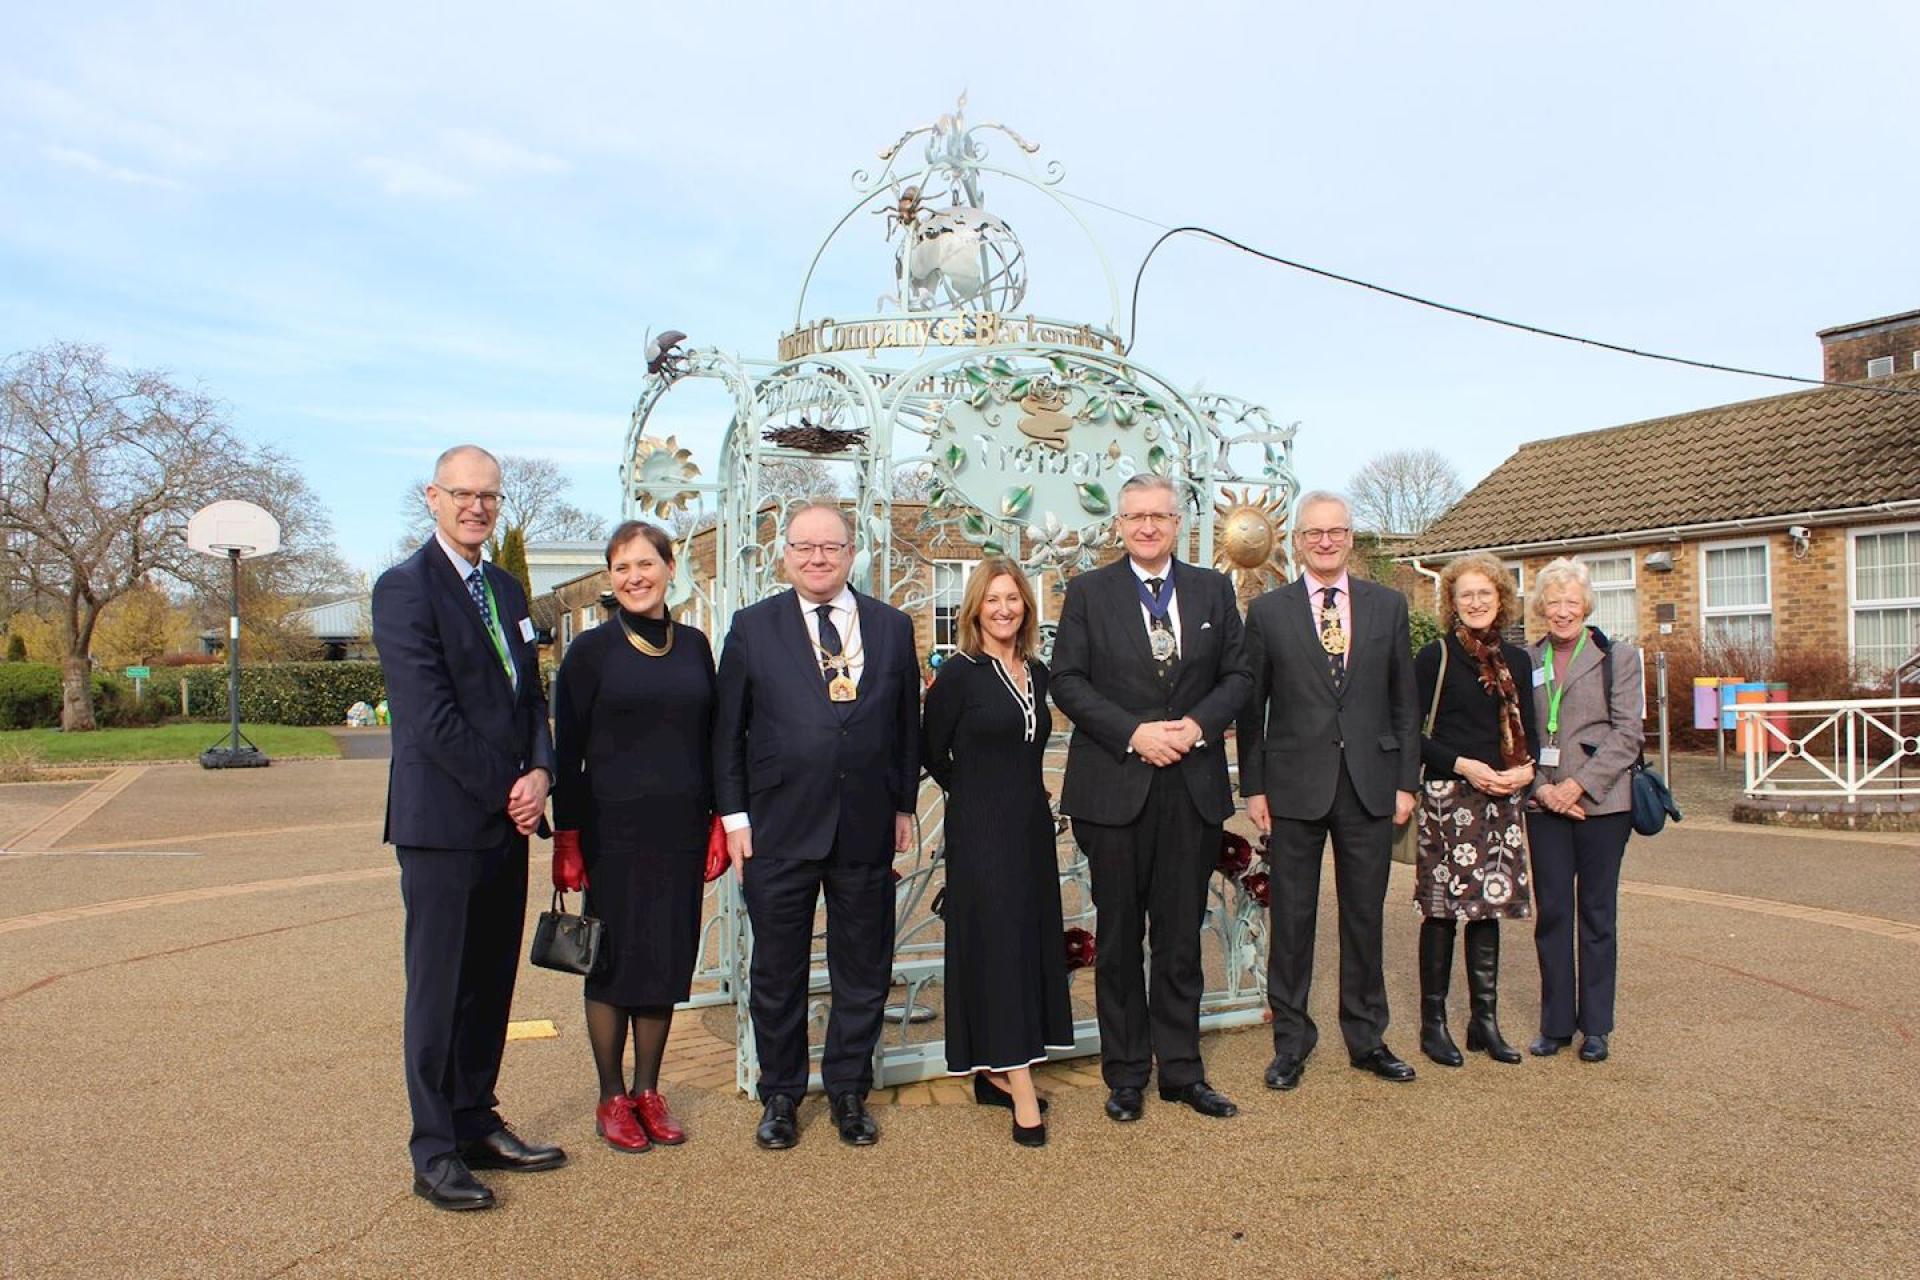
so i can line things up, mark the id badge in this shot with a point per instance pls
(1549, 757)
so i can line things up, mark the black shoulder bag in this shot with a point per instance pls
(568, 943)
(1652, 800)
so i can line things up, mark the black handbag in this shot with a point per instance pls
(1652, 800)
(565, 942)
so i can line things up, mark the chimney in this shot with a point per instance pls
(1871, 348)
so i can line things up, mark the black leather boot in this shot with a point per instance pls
(1483, 981)
(1436, 974)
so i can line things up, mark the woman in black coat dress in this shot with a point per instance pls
(986, 725)
(1478, 754)
(632, 807)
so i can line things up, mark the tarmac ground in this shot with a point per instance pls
(200, 1019)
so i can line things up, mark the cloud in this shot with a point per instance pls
(486, 155)
(399, 177)
(87, 162)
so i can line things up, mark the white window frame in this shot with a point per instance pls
(566, 628)
(1854, 604)
(1632, 584)
(1733, 611)
(965, 568)
(1880, 367)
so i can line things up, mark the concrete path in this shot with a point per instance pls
(200, 1019)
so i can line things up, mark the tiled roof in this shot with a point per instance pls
(1830, 448)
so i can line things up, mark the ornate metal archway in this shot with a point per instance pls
(1020, 428)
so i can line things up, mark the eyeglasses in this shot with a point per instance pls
(489, 499)
(805, 550)
(1476, 597)
(1158, 519)
(1336, 535)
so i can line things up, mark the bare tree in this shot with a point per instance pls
(100, 467)
(532, 500)
(1403, 491)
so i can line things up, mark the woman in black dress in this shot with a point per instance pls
(1478, 753)
(986, 726)
(632, 807)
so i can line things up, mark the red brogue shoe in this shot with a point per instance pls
(657, 1120)
(614, 1121)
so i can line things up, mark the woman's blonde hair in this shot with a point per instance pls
(1490, 569)
(1558, 573)
(1026, 640)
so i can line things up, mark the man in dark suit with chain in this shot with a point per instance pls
(1329, 746)
(472, 764)
(1148, 664)
(816, 769)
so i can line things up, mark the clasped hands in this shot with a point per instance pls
(1494, 782)
(1164, 742)
(1562, 797)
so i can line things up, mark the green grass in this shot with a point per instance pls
(163, 742)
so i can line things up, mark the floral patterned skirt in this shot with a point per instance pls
(1472, 862)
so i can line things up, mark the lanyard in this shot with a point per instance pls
(1158, 606)
(1557, 692)
(496, 634)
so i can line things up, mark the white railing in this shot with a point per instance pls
(1845, 749)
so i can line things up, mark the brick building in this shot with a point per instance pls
(1787, 524)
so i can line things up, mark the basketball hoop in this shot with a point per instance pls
(233, 531)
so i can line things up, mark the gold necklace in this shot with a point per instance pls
(639, 642)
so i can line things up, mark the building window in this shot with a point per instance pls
(1736, 597)
(1515, 632)
(1616, 602)
(949, 585)
(566, 629)
(1886, 598)
(1880, 366)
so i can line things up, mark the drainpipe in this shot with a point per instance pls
(1425, 572)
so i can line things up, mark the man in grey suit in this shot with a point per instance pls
(1148, 665)
(1329, 746)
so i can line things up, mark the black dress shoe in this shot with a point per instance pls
(988, 1094)
(850, 1116)
(1382, 1063)
(1547, 1046)
(1593, 1048)
(1125, 1104)
(1034, 1137)
(1284, 1071)
(503, 1149)
(449, 1184)
(778, 1129)
(1202, 1097)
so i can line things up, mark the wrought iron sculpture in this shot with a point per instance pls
(1024, 427)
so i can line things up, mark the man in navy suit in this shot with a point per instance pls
(816, 744)
(472, 764)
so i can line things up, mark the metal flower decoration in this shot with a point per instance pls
(1258, 885)
(1236, 855)
(660, 467)
(1080, 949)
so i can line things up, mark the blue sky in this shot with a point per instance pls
(375, 230)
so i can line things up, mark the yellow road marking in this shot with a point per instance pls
(533, 1029)
(208, 893)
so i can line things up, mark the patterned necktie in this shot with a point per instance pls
(1162, 623)
(1333, 636)
(829, 642)
(477, 588)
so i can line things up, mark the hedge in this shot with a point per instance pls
(30, 698)
(275, 693)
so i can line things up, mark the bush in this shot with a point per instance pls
(282, 692)
(1811, 675)
(1423, 627)
(30, 699)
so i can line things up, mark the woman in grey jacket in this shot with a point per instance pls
(1591, 735)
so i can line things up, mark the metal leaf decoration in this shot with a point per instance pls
(1093, 496)
(1014, 503)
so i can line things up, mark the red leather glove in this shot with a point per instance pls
(569, 865)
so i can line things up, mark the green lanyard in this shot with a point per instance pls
(1555, 694)
(495, 634)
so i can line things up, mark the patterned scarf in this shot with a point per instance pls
(1496, 679)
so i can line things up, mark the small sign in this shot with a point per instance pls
(138, 673)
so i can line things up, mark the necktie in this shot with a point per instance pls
(829, 641)
(477, 588)
(1333, 636)
(1161, 623)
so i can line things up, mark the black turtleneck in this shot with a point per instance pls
(652, 630)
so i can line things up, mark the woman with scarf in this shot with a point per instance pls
(1477, 748)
